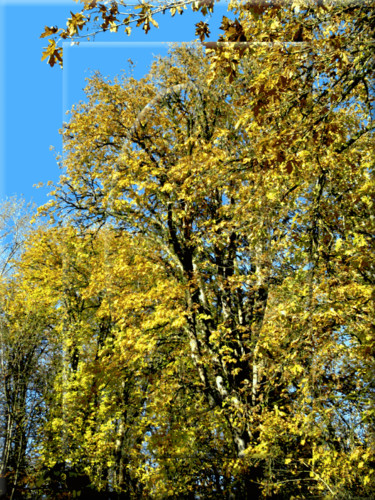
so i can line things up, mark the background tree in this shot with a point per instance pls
(15, 217)
(23, 349)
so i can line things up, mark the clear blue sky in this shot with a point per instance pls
(35, 97)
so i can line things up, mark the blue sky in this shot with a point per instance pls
(35, 98)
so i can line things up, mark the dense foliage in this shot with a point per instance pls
(197, 321)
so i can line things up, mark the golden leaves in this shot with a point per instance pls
(49, 31)
(202, 30)
(145, 17)
(253, 274)
(75, 23)
(52, 53)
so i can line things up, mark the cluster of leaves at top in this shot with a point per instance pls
(205, 296)
(99, 17)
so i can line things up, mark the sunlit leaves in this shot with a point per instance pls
(202, 30)
(111, 17)
(49, 31)
(52, 53)
(75, 23)
(145, 17)
(243, 189)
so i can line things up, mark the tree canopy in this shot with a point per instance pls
(197, 321)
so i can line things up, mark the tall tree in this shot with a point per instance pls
(248, 203)
(252, 177)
